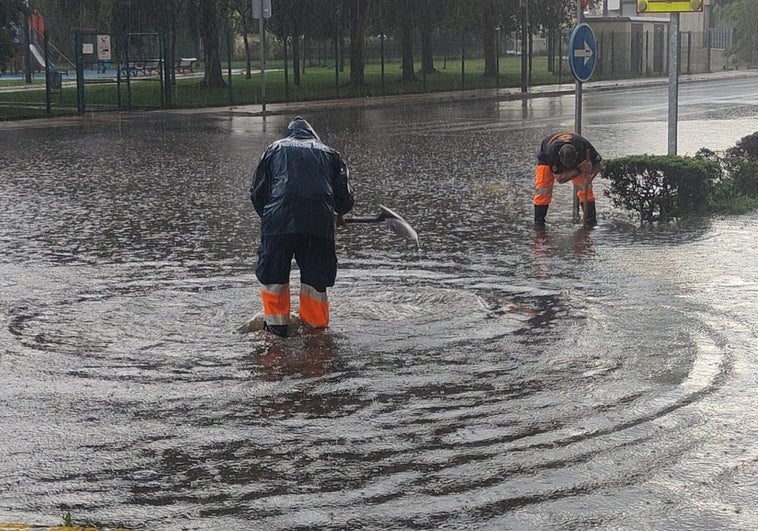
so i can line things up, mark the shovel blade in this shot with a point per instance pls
(403, 229)
(396, 222)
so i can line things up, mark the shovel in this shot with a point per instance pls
(395, 221)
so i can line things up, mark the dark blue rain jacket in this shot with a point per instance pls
(300, 185)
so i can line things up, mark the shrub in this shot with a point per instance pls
(662, 187)
(741, 163)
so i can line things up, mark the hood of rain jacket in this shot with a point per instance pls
(300, 185)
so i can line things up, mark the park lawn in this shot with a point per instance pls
(317, 83)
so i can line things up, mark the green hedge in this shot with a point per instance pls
(664, 187)
(660, 187)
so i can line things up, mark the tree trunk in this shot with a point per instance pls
(341, 52)
(211, 47)
(171, 60)
(406, 39)
(296, 60)
(246, 42)
(357, 21)
(307, 52)
(489, 39)
(427, 44)
(531, 51)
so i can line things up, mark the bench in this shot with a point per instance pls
(150, 66)
(185, 64)
(134, 68)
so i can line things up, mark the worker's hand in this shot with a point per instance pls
(596, 169)
(586, 166)
(341, 220)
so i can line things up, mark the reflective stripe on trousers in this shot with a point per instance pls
(276, 303)
(314, 307)
(543, 185)
(578, 182)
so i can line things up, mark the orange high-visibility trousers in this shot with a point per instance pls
(543, 185)
(314, 307)
(544, 180)
(276, 304)
(578, 183)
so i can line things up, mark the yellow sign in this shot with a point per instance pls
(667, 6)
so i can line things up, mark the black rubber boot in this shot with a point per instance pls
(540, 211)
(591, 214)
(277, 330)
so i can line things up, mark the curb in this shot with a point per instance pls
(26, 527)
(504, 94)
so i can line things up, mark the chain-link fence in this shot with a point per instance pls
(137, 72)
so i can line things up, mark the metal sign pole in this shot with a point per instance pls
(524, 8)
(673, 8)
(263, 61)
(577, 83)
(582, 59)
(673, 82)
(577, 112)
(261, 10)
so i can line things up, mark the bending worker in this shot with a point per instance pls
(566, 157)
(300, 191)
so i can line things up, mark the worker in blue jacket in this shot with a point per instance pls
(301, 191)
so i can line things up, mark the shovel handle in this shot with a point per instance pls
(364, 220)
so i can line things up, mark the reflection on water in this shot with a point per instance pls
(495, 377)
(308, 355)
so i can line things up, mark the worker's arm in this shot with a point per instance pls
(590, 169)
(586, 168)
(567, 175)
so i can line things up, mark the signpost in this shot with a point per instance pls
(582, 52)
(669, 6)
(582, 56)
(674, 8)
(261, 10)
(524, 14)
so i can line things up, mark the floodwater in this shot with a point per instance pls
(493, 379)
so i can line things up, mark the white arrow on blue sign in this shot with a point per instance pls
(582, 52)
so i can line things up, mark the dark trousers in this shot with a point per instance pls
(315, 256)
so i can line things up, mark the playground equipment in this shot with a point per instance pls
(41, 47)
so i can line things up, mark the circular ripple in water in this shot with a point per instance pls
(432, 399)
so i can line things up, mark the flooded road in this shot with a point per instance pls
(494, 378)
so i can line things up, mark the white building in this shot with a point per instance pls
(637, 44)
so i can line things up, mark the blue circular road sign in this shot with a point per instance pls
(582, 52)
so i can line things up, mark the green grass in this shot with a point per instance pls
(317, 83)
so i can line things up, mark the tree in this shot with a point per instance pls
(135, 16)
(293, 19)
(427, 27)
(10, 10)
(357, 15)
(243, 13)
(490, 16)
(208, 26)
(744, 15)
